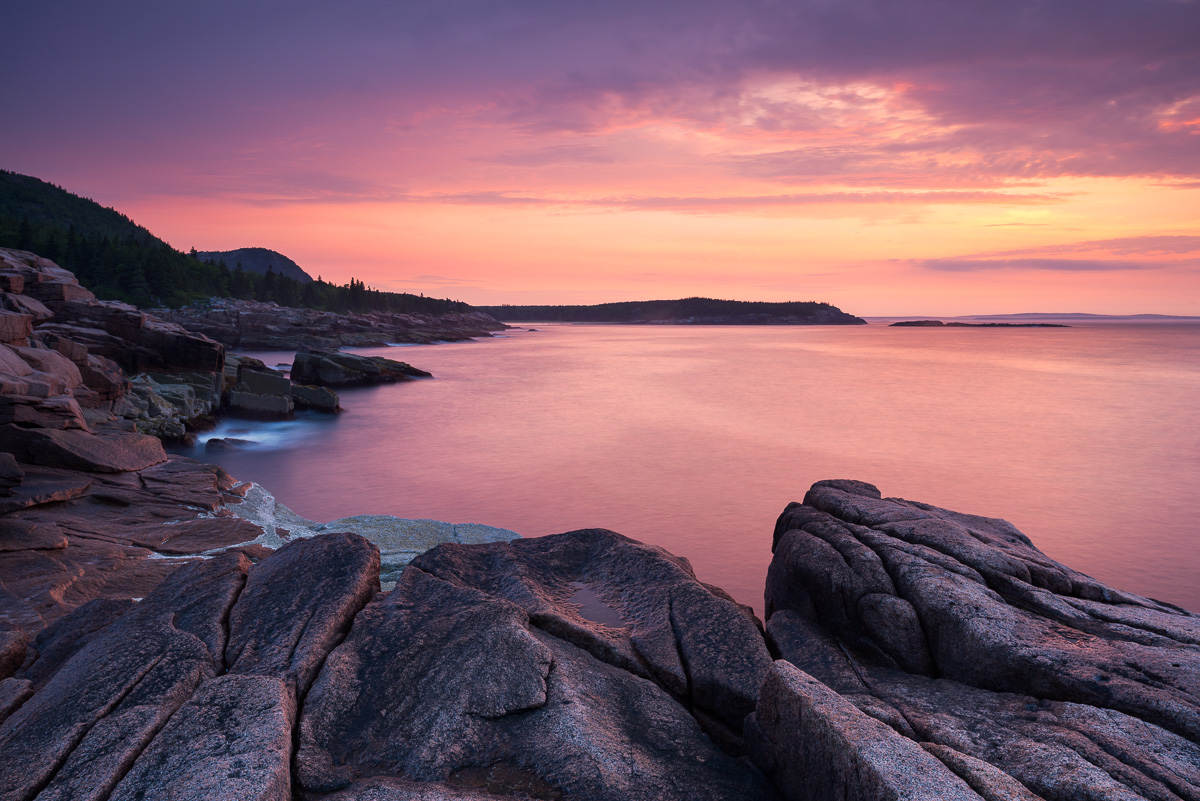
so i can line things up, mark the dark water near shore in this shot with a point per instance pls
(695, 438)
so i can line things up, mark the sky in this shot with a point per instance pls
(939, 157)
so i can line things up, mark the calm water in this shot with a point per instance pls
(695, 438)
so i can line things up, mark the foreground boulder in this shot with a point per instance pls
(1024, 678)
(631, 605)
(437, 679)
(438, 691)
(79, 733)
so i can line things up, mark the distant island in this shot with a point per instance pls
(256, 260)
(939, 323)
(686, 311)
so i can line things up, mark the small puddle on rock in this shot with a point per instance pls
(593, 609)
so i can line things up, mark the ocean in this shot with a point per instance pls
(694, 438)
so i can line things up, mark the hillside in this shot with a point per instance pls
(45, 204)
(117, 259)
(686, 311)
(257, 260)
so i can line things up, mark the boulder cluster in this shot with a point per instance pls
(167, 632)
(910, 652)
(254, 325)
(70, 362)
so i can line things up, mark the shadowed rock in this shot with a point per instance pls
(335, 369)
(632, 605)
(231, 742)
(318, 398)
(13, 642)
(817, 746)
(13, 692)
(436, 677)
(57, 643)
(1022, 676)
(78, 735)
(81, 450)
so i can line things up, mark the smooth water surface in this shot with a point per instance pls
(695, 438)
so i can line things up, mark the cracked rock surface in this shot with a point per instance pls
(1023, 678)
(437, 677)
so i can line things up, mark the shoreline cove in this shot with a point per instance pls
(167, 630)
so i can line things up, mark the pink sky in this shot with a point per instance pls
(890, 158)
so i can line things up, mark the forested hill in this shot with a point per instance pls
(119, 260)
(257, 260)
(44, 204)
(693, 311)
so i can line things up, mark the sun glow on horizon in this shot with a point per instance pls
(580, 163)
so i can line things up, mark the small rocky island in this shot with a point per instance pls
(168, 632)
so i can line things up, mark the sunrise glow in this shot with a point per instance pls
(923, 161)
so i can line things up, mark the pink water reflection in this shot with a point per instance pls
(695, 438)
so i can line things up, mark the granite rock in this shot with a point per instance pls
(436, 677)
(1020, 675)
(298, 604)
(254, 325)
(631, 605)
(325, 368)
(76, 737)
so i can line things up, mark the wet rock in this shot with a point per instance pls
(631, 605)
(77, 736)
(263, 382)
(81, 450)
(398, 539)
(298, 604)
(255, 405)
(232, 740)
(1024, 677)
(227, 444)
(325, 368)
(401, 540)
(317, 398)
(434, 678)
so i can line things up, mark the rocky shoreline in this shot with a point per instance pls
(253, 325)
(167, 631)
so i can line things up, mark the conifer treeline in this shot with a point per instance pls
(145, 271)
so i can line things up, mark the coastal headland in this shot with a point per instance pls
(167, 631)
